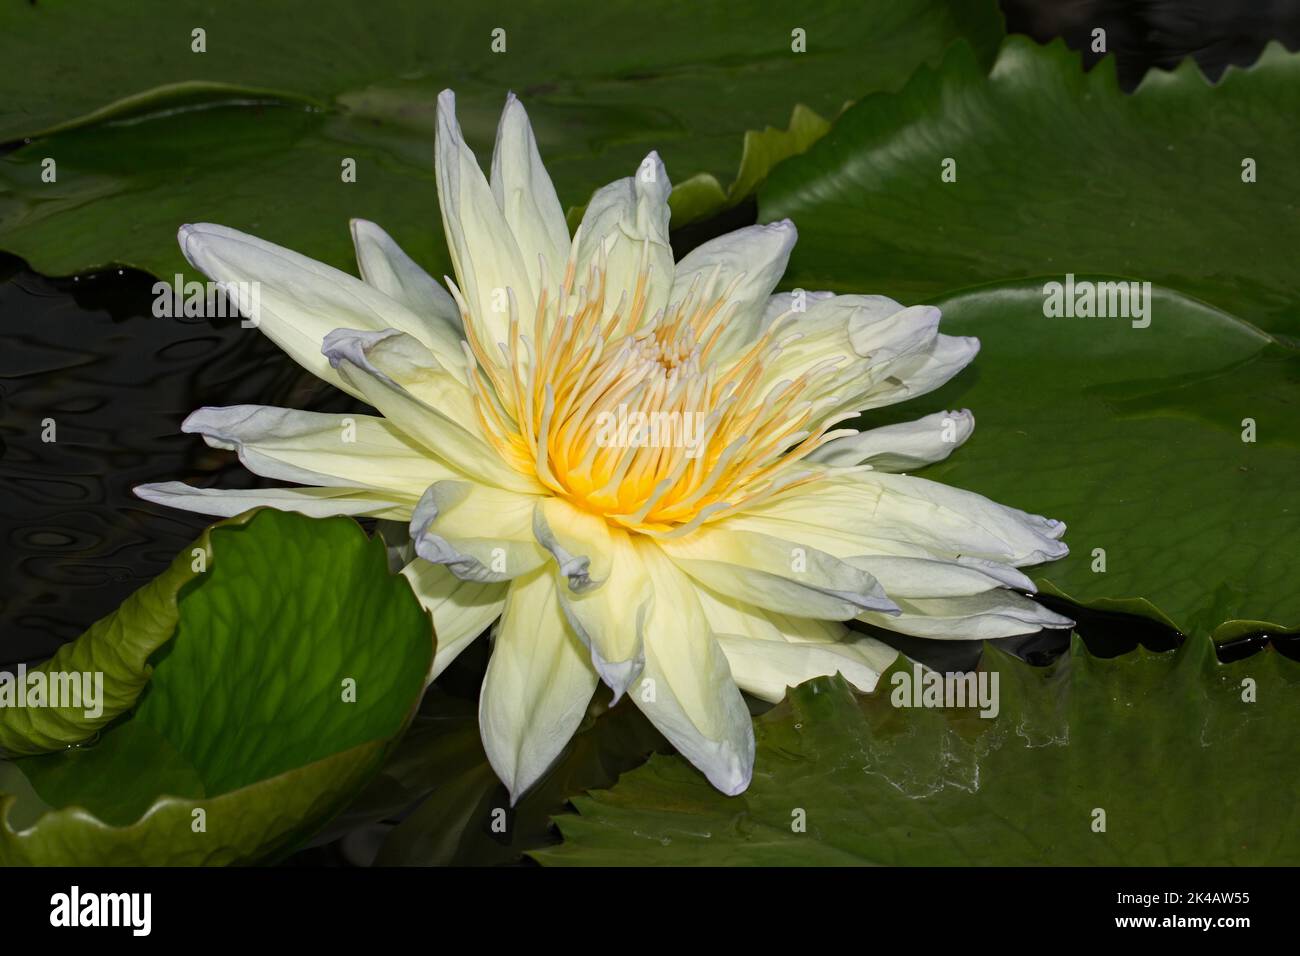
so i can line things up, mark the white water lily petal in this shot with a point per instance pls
(395, 374)
(882, 330)
(687, 689)
(484, 253)
(480, 533)
(300, 300)
(919, 373)
(462, 610)
(403, 360)
(981, 617)
(314, 502)
(604, 589)
(980, 528)
(538, 685)
(766, 668)
(824, 333)
(867, 338)
(792, 306)
(902, 447)
(776, 574)
(758, 254)
(769, 652)
(626, 222)
(526, 197)
(389, 269)
(912, 577)
(313, 448)
(868, 512)
(728, 615)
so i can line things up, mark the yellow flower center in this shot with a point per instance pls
(634, 418)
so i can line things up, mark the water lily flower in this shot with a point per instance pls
(679, 563)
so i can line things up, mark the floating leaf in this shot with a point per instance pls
(1146, 759)
(702, 195)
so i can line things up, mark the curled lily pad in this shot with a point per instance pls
(295, 660)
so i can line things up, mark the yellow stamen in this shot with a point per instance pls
(635, 417)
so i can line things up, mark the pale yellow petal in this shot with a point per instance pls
(779, 574)
(298, 301)
(479, 532)
(524, 193)
(603, 585)
(625, 224)
(428, 404)
(687, 689)
(483, 250)
(462, 610)
(538, 685)
(313, 448)
(389, 269)
(315, 502)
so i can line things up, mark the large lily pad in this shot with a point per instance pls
(253, 132)
(1145, 759)
(1057, 171)
(295, 659)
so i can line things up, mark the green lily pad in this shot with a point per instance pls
(1057, 172)
(1145, 759)
(1134, 437)
(254, 131)
(295, 660)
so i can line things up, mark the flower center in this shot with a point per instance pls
(638, 418)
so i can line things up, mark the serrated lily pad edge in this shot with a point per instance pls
(1195, 654)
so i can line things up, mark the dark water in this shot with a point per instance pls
(1141, 34)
